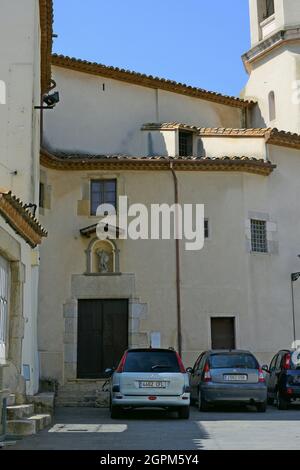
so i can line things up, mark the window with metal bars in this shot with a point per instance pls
(206, 228)
(185, 144)
(270, 8)
(259, 242)
(103, 192)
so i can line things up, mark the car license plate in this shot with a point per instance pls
(152, 384)
(235, 378)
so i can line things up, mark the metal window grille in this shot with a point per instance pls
(270, 8)
(103, 192)
(185, 144)
(259, 241)
(4, 290)
(206, 228)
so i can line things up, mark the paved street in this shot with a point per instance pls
(90, 428)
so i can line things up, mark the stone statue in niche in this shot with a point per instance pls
(104, 261)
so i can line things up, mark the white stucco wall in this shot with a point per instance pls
(107, 122)
(20, 140)
(221, 280)
(279, 71)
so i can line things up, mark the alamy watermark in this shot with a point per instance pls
(157, 222)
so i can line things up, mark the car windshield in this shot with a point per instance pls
(151, 361)
(233, 361)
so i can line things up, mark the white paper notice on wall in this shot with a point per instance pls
(155, 339)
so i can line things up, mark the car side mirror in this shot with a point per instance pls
(109, 372)
(189, 370)
(265, 368)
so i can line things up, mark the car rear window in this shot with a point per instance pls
(233, 361)
(151, 361)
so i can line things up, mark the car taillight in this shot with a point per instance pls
(261, 377)
(287, 361)
(121, 365)
(207, 374)
(180, 363)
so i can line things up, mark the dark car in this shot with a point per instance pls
(228, 377)
(284, 378)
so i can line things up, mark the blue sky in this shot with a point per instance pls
(198, 42)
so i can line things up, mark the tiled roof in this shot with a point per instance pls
(20, 218)
(146, 80)
(62, 161)
(46, 22)
(229, 132)
(271, 135)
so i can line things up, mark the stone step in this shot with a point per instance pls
(81, 386)
(41, 421)
(21, 427)
(19, 411)
(11, 400)
(43, 402)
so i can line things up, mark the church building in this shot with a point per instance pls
(121, 133)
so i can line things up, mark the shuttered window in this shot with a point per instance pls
(4, 294)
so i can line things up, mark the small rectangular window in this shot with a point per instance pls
(259, 243)
(206, 228)
(270, 8)
(42, 195)
(103, 192)
(4, 294)
(223, 333)
(185, 144)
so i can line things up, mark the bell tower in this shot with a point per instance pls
(273, 64)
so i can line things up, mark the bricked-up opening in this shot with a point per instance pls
(223, 333)
(102, 336)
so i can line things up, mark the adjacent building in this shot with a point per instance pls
(25, 37)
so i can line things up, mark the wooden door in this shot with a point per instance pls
(102, 335)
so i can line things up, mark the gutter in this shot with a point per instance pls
(178, 272)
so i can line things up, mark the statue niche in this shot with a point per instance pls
(102, 257)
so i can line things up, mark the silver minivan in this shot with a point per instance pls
(228, 377)
(150, 378)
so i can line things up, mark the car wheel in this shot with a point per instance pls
(282, 403)
(202, 403)
(114, 412)
(184, 412)
(261, 407)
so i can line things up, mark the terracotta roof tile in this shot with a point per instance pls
(46, 22)
(63, 161)
(20, 218)
(147, 80)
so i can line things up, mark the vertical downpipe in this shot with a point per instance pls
(178, 275)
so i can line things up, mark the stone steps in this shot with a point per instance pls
(25, 420)
(85, 393)
(19, 411)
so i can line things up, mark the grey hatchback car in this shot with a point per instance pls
(147, 378)
(228, 377)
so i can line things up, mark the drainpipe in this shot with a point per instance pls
(178, 277)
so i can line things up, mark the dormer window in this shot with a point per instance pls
(185, 144)
(270, 8)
